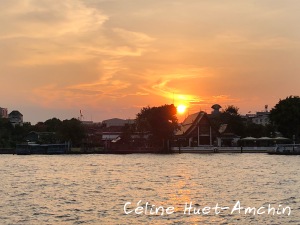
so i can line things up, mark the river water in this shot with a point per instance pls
(106, 189)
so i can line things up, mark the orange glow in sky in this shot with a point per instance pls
(181, 109)
(59, 58)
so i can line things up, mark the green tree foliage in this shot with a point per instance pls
(160, 121)
(67, 130)
(255, 130)
(72, 130)
(10, 135)
(232, 110)
(258, 130)
(5, 133)
(19, 132)
(230, 115)
(53, 124)
(286, 116)
(127, 132)
(40, 127)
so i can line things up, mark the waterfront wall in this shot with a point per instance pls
(212, 149)
(7, 151)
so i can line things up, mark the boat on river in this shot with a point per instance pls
(286, 149)
(40, 149)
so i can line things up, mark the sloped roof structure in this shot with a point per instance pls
(15, 113)
(190, 123)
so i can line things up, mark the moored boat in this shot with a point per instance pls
(286, 149)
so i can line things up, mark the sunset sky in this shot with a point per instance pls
(110, 58)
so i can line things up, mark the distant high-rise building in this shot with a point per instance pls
(3, 113)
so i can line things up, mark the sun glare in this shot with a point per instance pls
(181, 109)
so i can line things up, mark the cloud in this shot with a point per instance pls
(44, 19)
(170, 83)
(81, 94)
(41, 32)
(38, 34)
(116, 54)
(133, 37)
(88, 94)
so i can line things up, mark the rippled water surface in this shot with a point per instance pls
(93, 189)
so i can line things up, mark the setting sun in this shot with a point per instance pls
(181, 109)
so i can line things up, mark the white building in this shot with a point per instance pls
(260, 118)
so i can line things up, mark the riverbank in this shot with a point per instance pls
(211, 149)
(78, 151)
(7, 151)
(177, 150)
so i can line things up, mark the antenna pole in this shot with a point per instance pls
(173, 97)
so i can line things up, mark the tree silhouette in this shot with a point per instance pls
(232, 110)
(160, 121)
(230, 115)
(72, 130)
(286, 116)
